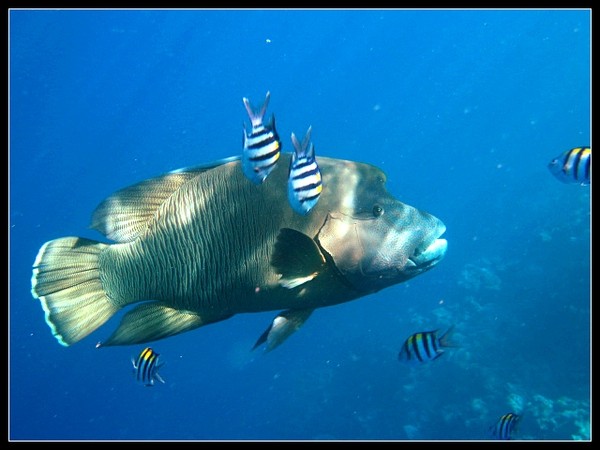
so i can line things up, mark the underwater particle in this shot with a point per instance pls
(478, 404)
(479, 276)
(411, 431)
(516, 402)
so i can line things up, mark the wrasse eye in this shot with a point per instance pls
(377, 211)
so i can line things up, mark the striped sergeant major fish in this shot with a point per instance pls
(503, 429)
(146, 367)
(304, 177)
(573, 166)
(262, 146)
(425, 346)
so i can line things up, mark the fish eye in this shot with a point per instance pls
(377, 211)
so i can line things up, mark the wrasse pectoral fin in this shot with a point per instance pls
(150, 322)
(298, 281)
(296, 257)
(285, 324)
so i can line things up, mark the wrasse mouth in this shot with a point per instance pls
(428, 256)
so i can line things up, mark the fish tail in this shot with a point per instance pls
(303, 149)
(66, 279)
(446, 339)
(256, 116)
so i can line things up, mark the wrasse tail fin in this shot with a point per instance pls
(152, 321)
(66, 279)
(296, 257)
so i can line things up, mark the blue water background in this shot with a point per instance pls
(462, 109)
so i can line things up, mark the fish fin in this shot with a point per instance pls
(66, 279)
(152, 321)
(256, 117)
(446, 339)
(291, 283)
(271, 125)
(199, 168)
(284, 325)
(296, 257)
(126, 213)
(263, 337)
(302, 149)
(159, 378)
(437, 355)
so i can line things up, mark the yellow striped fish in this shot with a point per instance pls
(262, 146)
(425, 346)
(573, 166)
(146, 367)
(503, 429)
(304, 178)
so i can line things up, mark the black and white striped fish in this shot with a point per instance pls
(304, 178)
(425, 346)
(146, 367)
(503, 429)
(573, 166)
(262, 146)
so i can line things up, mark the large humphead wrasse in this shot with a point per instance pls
(198, 245)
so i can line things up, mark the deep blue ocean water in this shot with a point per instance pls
(463, 110)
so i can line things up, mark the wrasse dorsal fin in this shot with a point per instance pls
(126, 213)
(256, 117)
(296, 257)
(303, 149)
